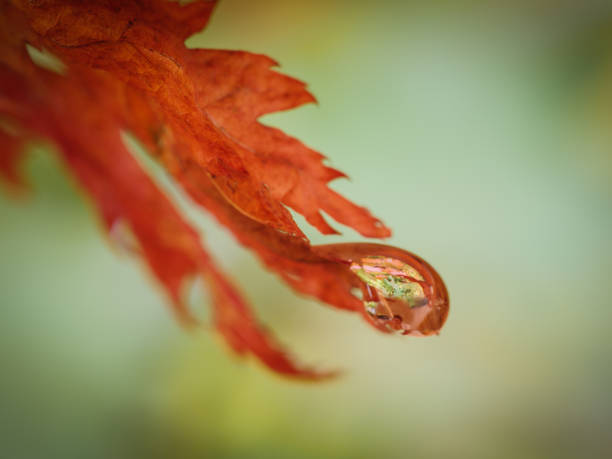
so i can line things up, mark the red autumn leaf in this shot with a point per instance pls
(127, 69)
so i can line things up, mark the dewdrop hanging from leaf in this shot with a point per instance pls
(400, 291)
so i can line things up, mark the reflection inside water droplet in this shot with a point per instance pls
(400, 291)
(393, 292)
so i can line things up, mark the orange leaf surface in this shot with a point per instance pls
(196, 111)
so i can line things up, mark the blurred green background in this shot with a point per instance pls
(480, 132)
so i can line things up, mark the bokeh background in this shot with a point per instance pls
(481, 132)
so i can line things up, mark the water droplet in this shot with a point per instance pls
(401, 291)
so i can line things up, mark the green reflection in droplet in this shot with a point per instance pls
(391, 279)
